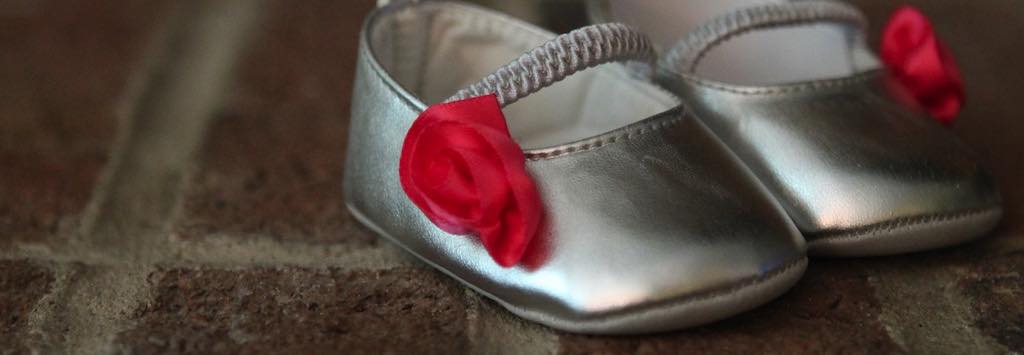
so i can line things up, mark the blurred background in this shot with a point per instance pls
(170, 182)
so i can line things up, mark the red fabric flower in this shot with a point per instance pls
(460, 166)
(917, 58)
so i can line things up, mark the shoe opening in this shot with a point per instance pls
(435, 49)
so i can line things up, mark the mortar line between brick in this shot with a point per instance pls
(492, 330)
(170, 116)
(225, 251)
(472, 317)
(43, 309)
(57, 255)
(168, 104)
(153, 59)
(231, 251)
(914, 325)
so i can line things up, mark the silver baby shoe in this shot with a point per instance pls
(649, 222)
(793, 90)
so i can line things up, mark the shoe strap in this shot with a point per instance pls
(560, 58)
(687, 53)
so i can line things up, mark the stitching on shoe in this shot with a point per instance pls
(686, 300)
(903, 223)
(605, 317)
(737, 287)
(782, 89)
(628, 133)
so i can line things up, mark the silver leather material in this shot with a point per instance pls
(858, 170)
(650, 227)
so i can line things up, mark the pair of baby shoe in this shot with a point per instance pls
(667, 192)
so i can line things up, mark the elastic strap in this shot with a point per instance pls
(559, 58)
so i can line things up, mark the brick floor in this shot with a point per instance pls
(63, 67)
(255, 252)
(301, 311)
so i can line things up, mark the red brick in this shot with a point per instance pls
(63, 67)
(273, 160)
(832, 310)
(301, 311)
(22, 284)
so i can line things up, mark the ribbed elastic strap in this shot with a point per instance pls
(559, 58)
(687, 53)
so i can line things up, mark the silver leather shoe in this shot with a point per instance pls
(651, 222)
(858, 169)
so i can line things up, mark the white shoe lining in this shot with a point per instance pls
(764, 57)
(435, 49)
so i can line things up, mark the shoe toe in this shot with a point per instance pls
(661, 231)
(930, 200)
(859, 172)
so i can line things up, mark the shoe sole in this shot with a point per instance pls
(677, 313)
(906, 235)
